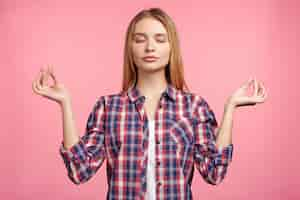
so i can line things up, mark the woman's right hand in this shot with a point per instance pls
(56, 92)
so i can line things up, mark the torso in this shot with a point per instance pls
(151, 105)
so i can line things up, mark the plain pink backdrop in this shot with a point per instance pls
(223, 44)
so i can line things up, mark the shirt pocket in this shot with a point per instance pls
(181, 134)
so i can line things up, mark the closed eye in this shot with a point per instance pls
(139, 41)
(141, 37)
(161, 40)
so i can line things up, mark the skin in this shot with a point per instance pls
(56, 92)
(151, 39)
(151, 83)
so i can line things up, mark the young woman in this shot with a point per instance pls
(154, 131)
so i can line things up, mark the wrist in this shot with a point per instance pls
(65, 103)
(229, 106)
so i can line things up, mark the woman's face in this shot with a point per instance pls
(150, 38)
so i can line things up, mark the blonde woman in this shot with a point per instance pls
(154, 131)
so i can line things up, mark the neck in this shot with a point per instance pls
(151, 84)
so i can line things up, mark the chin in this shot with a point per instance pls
(151, 67)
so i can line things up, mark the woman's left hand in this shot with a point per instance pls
(239, 97)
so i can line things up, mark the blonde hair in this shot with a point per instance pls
(174, 69)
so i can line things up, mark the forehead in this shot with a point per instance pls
(149, 26)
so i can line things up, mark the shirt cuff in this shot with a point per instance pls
(74, 153)
(224, 155)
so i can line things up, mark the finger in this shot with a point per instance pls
(41, 90)
(33, 85)
(247, 83)
(36, 88)
(45, 78)
(41, 74)
(262, 97)
(255, 87)
(51, 73)
(39, 80)
(264, 94)
(260, 89)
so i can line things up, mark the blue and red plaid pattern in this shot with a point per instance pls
(117, 130)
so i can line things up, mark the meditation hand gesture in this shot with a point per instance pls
(239, 97)
(56, 92)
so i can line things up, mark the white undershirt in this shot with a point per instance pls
(151, 195)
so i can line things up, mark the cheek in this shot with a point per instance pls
(137, 50)
(165, 52)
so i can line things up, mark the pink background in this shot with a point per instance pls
(223, 44)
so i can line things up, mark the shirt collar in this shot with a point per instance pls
(134, 93)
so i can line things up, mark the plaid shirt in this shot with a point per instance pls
(117, 130)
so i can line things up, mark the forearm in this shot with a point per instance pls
(224, 137)
(70, 135)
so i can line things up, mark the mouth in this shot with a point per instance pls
(150, 58)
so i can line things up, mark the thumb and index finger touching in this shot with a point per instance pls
(49, 73)
(41, 79)
(259, 89)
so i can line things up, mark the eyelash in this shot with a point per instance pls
(140, 41)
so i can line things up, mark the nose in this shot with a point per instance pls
(150, 46)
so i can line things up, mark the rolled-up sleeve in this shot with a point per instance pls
(84, 158)
(210, 161)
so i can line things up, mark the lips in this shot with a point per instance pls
(150, 58)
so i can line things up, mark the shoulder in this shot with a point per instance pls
(110, 98)
(197, 104)
(195, 99)
(201, 110)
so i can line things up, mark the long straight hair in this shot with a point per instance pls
(174, 70)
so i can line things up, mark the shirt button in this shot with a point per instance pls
(159, 184)
(157, 142)
(158, 163)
